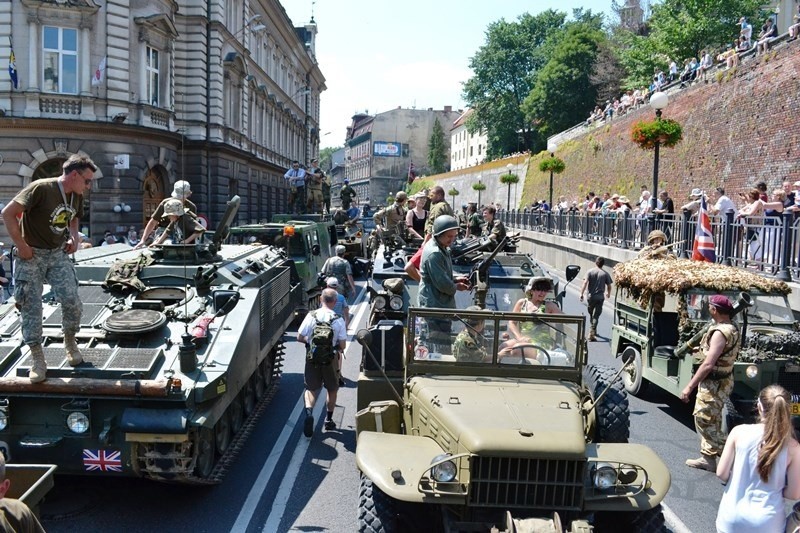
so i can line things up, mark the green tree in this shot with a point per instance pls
(563, 94)
(437, 154)
(325, 158)
(505, 70)
(680, 29)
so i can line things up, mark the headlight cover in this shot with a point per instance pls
(396, 302)
(445, 471)
(78, 422)
(379, 303)
(604, 476)
(619, 479)
(751, 371)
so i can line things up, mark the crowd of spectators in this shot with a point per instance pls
(695, 69)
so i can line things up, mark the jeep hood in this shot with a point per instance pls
(498, 416)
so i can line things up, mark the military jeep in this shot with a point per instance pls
(497, 421)
(661, 308)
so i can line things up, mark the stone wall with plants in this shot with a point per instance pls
(741, 127)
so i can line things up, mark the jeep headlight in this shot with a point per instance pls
(3, 419)
(445, 471)
(604, 476)
(751, 371)
(396, 302)
(379, 303)
(78, 422)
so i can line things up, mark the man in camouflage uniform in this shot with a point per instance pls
(439, 207)
(346, 195)
(50, 210)
(182, 190)
(494, 229)
(470, 345)
(714, 382)
(340, 268)
(656, 247)
(392, 219)
(314, 200)
(326, 193)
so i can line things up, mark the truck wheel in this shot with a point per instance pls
(650, 521)
(612, 413)
(376, 511)
(730, 416)
(632, 375)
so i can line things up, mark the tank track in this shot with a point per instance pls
(237, 443)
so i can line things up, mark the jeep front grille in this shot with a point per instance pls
(509, 482)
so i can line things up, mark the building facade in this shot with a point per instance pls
(466, 149)
(380, 149)
(221, 93)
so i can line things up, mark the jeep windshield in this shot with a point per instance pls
(767, 309)
(482, 339)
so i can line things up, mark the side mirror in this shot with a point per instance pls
(315, 249)
(364, 337)
(572, 272)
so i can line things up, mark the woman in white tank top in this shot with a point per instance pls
(761, 465)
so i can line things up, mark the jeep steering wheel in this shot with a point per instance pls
(523, 345)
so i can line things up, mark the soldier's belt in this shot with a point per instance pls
(717, 375)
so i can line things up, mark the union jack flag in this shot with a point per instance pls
(703, 247)
(102, 460)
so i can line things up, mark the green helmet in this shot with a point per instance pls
(444, 223)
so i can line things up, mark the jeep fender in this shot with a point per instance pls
(380, 454)
(634, 454)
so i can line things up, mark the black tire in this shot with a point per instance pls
(650, 521)
(612, 413)
(222, 432)
(632, 378)
(730, 416)
(205, 453)
(377, 512)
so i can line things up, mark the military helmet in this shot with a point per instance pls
(444, 223)
(656, 234)
(535, 280)
(472, 321)
(400, 197)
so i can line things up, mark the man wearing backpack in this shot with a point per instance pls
(324, 334)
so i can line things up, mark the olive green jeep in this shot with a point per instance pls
(497, 421)
(660, 314)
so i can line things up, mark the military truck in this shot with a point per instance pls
(306, 239)
(660, 305)
(497, 421)
(182, 349)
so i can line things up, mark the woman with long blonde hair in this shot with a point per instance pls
(761, 465)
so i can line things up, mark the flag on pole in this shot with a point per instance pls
(703, 247)
(12, 68)
(100, 73)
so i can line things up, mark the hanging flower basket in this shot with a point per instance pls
(479, 186)
(508, 179)
(666, 131)
(552, 163)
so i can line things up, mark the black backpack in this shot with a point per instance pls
(320, 346)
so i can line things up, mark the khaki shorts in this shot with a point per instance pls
(317, 376)
(315, 195)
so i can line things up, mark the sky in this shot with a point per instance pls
(376, 56)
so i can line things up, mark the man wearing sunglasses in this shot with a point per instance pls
(43, 220)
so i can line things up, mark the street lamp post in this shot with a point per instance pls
(508, 196)
(552, 146)
(479, 192)
(658, 101)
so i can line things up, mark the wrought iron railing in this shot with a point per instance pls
(767, 244)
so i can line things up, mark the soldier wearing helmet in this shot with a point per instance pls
(438, 207)
(656, 246)
(438, 287)
(340, 268)
(470, 345)
(182, 190)
(392, 219)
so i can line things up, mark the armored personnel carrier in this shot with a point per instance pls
(175, 371)
(495, 421)
(306, 240)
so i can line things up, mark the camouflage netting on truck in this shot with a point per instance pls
(645, 277)
(763, 346)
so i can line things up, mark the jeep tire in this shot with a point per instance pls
(377, 512)
(612, 413)
(649, 521)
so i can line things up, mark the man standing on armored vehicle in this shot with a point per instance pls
(494, 229)
(296, 177)
(438, 207)
(181, 191)
(346, 194)
(45, 235)
(713, 381)
(394, 217)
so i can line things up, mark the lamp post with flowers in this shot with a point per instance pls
(509, 179)
(480, 186)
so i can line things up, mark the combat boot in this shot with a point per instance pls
(74, 355)
(704, 462)
(39, 366)
(592, 335)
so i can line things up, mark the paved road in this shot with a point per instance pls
(285, 482)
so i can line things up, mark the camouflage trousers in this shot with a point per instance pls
(55, 268)
(711, 396)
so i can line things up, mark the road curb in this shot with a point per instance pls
(673, 522)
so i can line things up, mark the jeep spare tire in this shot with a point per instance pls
(632, 378)
(612, 414)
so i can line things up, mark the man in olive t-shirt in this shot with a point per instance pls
(50, 210)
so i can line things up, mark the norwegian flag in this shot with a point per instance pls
(102, 460)
(703, 247)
